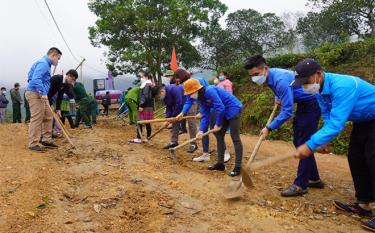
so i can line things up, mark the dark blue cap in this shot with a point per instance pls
(304, 69)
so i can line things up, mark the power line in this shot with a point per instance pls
(58, 28)
(67, 45)
(94, 69)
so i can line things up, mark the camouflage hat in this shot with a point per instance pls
(169, 73)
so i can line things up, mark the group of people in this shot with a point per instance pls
(15, 96)
(337, 98)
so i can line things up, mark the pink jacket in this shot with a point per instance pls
(226, 85)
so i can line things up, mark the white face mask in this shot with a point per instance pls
(312, 88)
(221, 78)
(259, 79)
(194, 95)
(4, 92)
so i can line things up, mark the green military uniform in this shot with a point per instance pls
(132, 101)
(83, 101)
(16, 101)
(27, 109)
(93, 108)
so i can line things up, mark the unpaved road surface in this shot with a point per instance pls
(108, 185)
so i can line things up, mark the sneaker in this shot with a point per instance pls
(170, 145)
(316, 184)
(192, 148)
(236, 171)
(205, 157)
(87, 127)
(369, 225)
(217, 167)
(226, 156)
(144, 140)
(293, 191)
(353, 208)
(49, 145)
(136, 141)
(37, 148)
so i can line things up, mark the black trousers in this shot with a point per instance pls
(361, 159)
(106, 110)
(140, 129)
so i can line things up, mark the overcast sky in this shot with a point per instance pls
(27, 31)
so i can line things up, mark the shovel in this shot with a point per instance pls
(232, 191)
(171, 119)
(235, 188)
(172, 151)
(157, 132)
(57, 119)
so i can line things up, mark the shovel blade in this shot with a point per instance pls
(234, 190)
(172, 154)
(246, 178)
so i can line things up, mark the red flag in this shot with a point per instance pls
(174, 65)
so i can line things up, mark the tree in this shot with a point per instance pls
(292, 39)
(253, 33)
(214, 46)
(360, 14)
(141, 33)
(320, 27)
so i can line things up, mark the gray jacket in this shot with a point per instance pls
(3, 101)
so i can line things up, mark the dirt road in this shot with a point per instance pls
(108, 185)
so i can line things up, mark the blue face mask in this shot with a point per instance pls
(221, 78)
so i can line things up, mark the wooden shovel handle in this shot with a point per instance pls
(164, 120)
(270, 161)
(193, 140)
(261, 138)
(157, 131)
(58, 122)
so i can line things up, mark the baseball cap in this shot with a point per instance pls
(304, 69)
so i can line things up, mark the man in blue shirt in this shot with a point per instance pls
(228, 114)
(344, 98)
(37, 95)
(305, 122)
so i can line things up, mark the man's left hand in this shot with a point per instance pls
(265, 132)
(303, 152)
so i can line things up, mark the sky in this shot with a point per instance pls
(27, 32)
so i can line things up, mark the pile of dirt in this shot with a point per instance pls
(109, 185)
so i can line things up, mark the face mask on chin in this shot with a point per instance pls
(312, 88)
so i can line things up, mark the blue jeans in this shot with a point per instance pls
(305, 124)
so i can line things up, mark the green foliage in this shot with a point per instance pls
(248, 32)
(359, 15)
(285, 61)
(320, 27)
(141, 34)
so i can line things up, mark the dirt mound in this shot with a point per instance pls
(109, 185)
